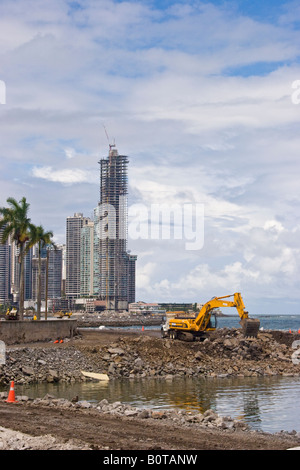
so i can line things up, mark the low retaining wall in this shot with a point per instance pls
(16, 332)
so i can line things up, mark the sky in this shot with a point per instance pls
(204, 99)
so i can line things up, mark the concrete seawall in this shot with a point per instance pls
(15, 332)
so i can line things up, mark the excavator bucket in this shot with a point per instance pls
(250, 327)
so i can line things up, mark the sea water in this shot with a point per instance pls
(267, 322)
(269, 404)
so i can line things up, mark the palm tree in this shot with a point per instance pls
(42, 239)
(16, 224)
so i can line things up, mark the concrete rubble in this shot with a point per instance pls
(227, 353)
(14, 440)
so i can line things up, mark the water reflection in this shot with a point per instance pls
(269, 403)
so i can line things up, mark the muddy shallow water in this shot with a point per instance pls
(266, 403)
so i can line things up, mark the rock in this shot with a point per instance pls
(48, 396)
(143, 414)
(210, 415)
(41, 362)
(28, 370)
(199, 417)
(118, 351)
(158, 414)
(131, 412)
(138, 362)
(24, 398)
(220, 423)
(53, 376)
(230, 343)
(84, 404)
(111, 368)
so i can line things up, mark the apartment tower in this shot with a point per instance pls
(73, 250)
(111, 229)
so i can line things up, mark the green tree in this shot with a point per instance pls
(42, 239)
(17, 225)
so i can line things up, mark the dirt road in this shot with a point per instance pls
(106, 432)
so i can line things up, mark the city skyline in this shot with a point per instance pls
(203, 97)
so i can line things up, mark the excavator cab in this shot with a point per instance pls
(212, 324)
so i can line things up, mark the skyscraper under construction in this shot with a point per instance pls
(115, 266)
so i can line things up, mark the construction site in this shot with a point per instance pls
(50, 423)
(115, 273)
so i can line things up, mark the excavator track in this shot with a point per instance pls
(250, 327)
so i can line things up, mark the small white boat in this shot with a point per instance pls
(94, 375)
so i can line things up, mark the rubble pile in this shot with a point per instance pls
(36, 365)
(226, 353)
(209, 418)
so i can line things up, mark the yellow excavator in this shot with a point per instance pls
(62, 314)
(12, 314)
(190, 329)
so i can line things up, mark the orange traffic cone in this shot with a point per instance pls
(11, 396)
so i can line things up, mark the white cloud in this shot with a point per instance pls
(70, 153)
(64, 176)
(274, 226)
(144, 277)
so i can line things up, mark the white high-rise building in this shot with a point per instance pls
(73, 244)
